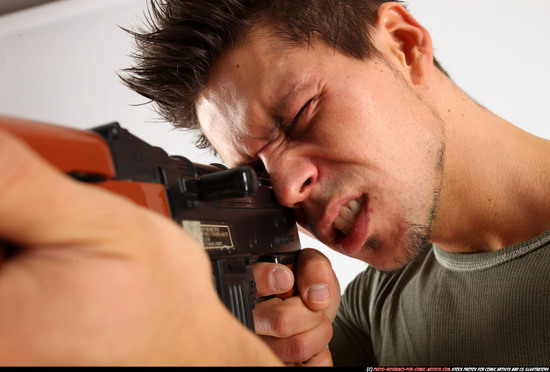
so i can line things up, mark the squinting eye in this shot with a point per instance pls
(298, 115)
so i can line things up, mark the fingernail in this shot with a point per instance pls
(279, 280)
(318, 293)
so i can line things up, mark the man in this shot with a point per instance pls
(381, 155)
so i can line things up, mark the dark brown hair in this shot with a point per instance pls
(182, 39)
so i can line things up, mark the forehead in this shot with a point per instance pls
(247, 92)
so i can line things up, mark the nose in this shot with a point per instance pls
(292, 179)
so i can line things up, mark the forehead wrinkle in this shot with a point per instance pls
(279, 108)
(264, 43)
(250, 113)
(235, 126)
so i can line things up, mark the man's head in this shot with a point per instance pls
(344, 132)
(184, 39)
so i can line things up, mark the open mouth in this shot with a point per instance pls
(348, 215)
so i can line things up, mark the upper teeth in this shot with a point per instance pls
(348, 214)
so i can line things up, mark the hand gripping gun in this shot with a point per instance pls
(231, 212)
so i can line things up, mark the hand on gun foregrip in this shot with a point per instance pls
(232, 213)
(96, 279)
(298, 328)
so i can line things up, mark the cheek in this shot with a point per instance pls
(359, 118)
(340, 126)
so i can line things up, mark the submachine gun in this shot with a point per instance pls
(231, 212)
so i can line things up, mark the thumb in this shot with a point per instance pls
(316, 281)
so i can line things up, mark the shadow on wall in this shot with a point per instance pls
(10, 6)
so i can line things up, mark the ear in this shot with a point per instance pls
(401, 37)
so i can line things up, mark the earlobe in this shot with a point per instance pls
(405, 40)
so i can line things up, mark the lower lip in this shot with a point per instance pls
(353, 243)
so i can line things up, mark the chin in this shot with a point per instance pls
(392, 257)
(385, 264)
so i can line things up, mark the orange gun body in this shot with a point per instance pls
(79, 152)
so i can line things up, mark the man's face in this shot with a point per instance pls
(347, 143)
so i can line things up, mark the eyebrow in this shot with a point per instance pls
(278, 113)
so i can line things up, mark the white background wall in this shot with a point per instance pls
(58, 64)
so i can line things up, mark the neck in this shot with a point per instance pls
(494, 189)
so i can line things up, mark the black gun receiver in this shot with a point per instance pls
(232, 213)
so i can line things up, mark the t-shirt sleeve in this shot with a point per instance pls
(351, 344)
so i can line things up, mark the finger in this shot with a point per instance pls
(316, 281)
(272, 278)
(284, 318)
(302, 347)
(322, 359)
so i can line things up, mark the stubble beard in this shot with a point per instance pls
(417, 236)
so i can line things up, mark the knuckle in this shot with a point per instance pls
(304, 346)
(329, 330)
(301, 348)
(315, 263)
(283, 323)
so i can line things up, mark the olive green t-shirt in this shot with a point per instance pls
(445, 309)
